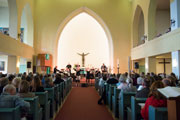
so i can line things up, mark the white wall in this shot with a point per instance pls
(5, 59)
(83, 34)
(4, 17)
(162, 21)
(11, 64)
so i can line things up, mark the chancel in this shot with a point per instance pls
(90, 59)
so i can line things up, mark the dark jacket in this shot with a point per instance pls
(143, 93)
(112, 81)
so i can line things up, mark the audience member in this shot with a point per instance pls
(166, 82)
(58, 79)
(3, 82)
(140, 79)
(112, 79)
(155, 99)
(144, 92)
(11, 77)
(48, 82)
(8, 99)
(122, 82)
(24, 90)
(36, 85)
(16, 81)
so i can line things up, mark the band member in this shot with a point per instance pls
(77, 69)
(55, 70)
(88, 75)
(103, 68)
(68, 67)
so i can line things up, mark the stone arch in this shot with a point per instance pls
(138, 26)
(96, 17)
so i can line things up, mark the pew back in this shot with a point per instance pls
(10, 113)
(124, 102)
(135, 108)
(45, 103)
(35, 111)
(158, 113)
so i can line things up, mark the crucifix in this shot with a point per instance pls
(164, 62)
(83, 58)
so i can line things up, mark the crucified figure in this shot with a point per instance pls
(83, 58)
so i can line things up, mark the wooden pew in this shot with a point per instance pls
(158, 113)
(51, 98)
(35, 112)
(106, 90)
(10, 113)
(115, 103)
(134, 111)
(124, 102)
(97, 83)
(56, 97)
(45, 104)
(60, 93)
(110, 94)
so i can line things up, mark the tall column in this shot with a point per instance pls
(150, 64)
(176, 63)
(175, 14)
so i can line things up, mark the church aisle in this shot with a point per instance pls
(81, 104)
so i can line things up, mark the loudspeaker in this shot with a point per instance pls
(136, 65)
(28, 64)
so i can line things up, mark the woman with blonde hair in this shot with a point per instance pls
(155, 99)
(16, 81)
(24, 90)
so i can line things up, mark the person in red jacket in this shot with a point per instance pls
(155, 99)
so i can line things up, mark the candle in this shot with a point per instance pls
(129, 60)
(118, 62)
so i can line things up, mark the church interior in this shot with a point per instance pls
(77, 53)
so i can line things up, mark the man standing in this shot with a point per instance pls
(103, 68)
(55, 70)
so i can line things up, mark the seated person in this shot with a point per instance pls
(166, 82)
(112, 79)
(9, 99)
(144, 92)
(127, 87)
(3, 82)
(48, 82)
(24, 90)
(16, 81)
(122, 81)
(36, 85)
(155, 99)
(140, 79)
(58, 79)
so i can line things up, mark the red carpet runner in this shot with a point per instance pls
(81, 104)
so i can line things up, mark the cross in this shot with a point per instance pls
(164, 62)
